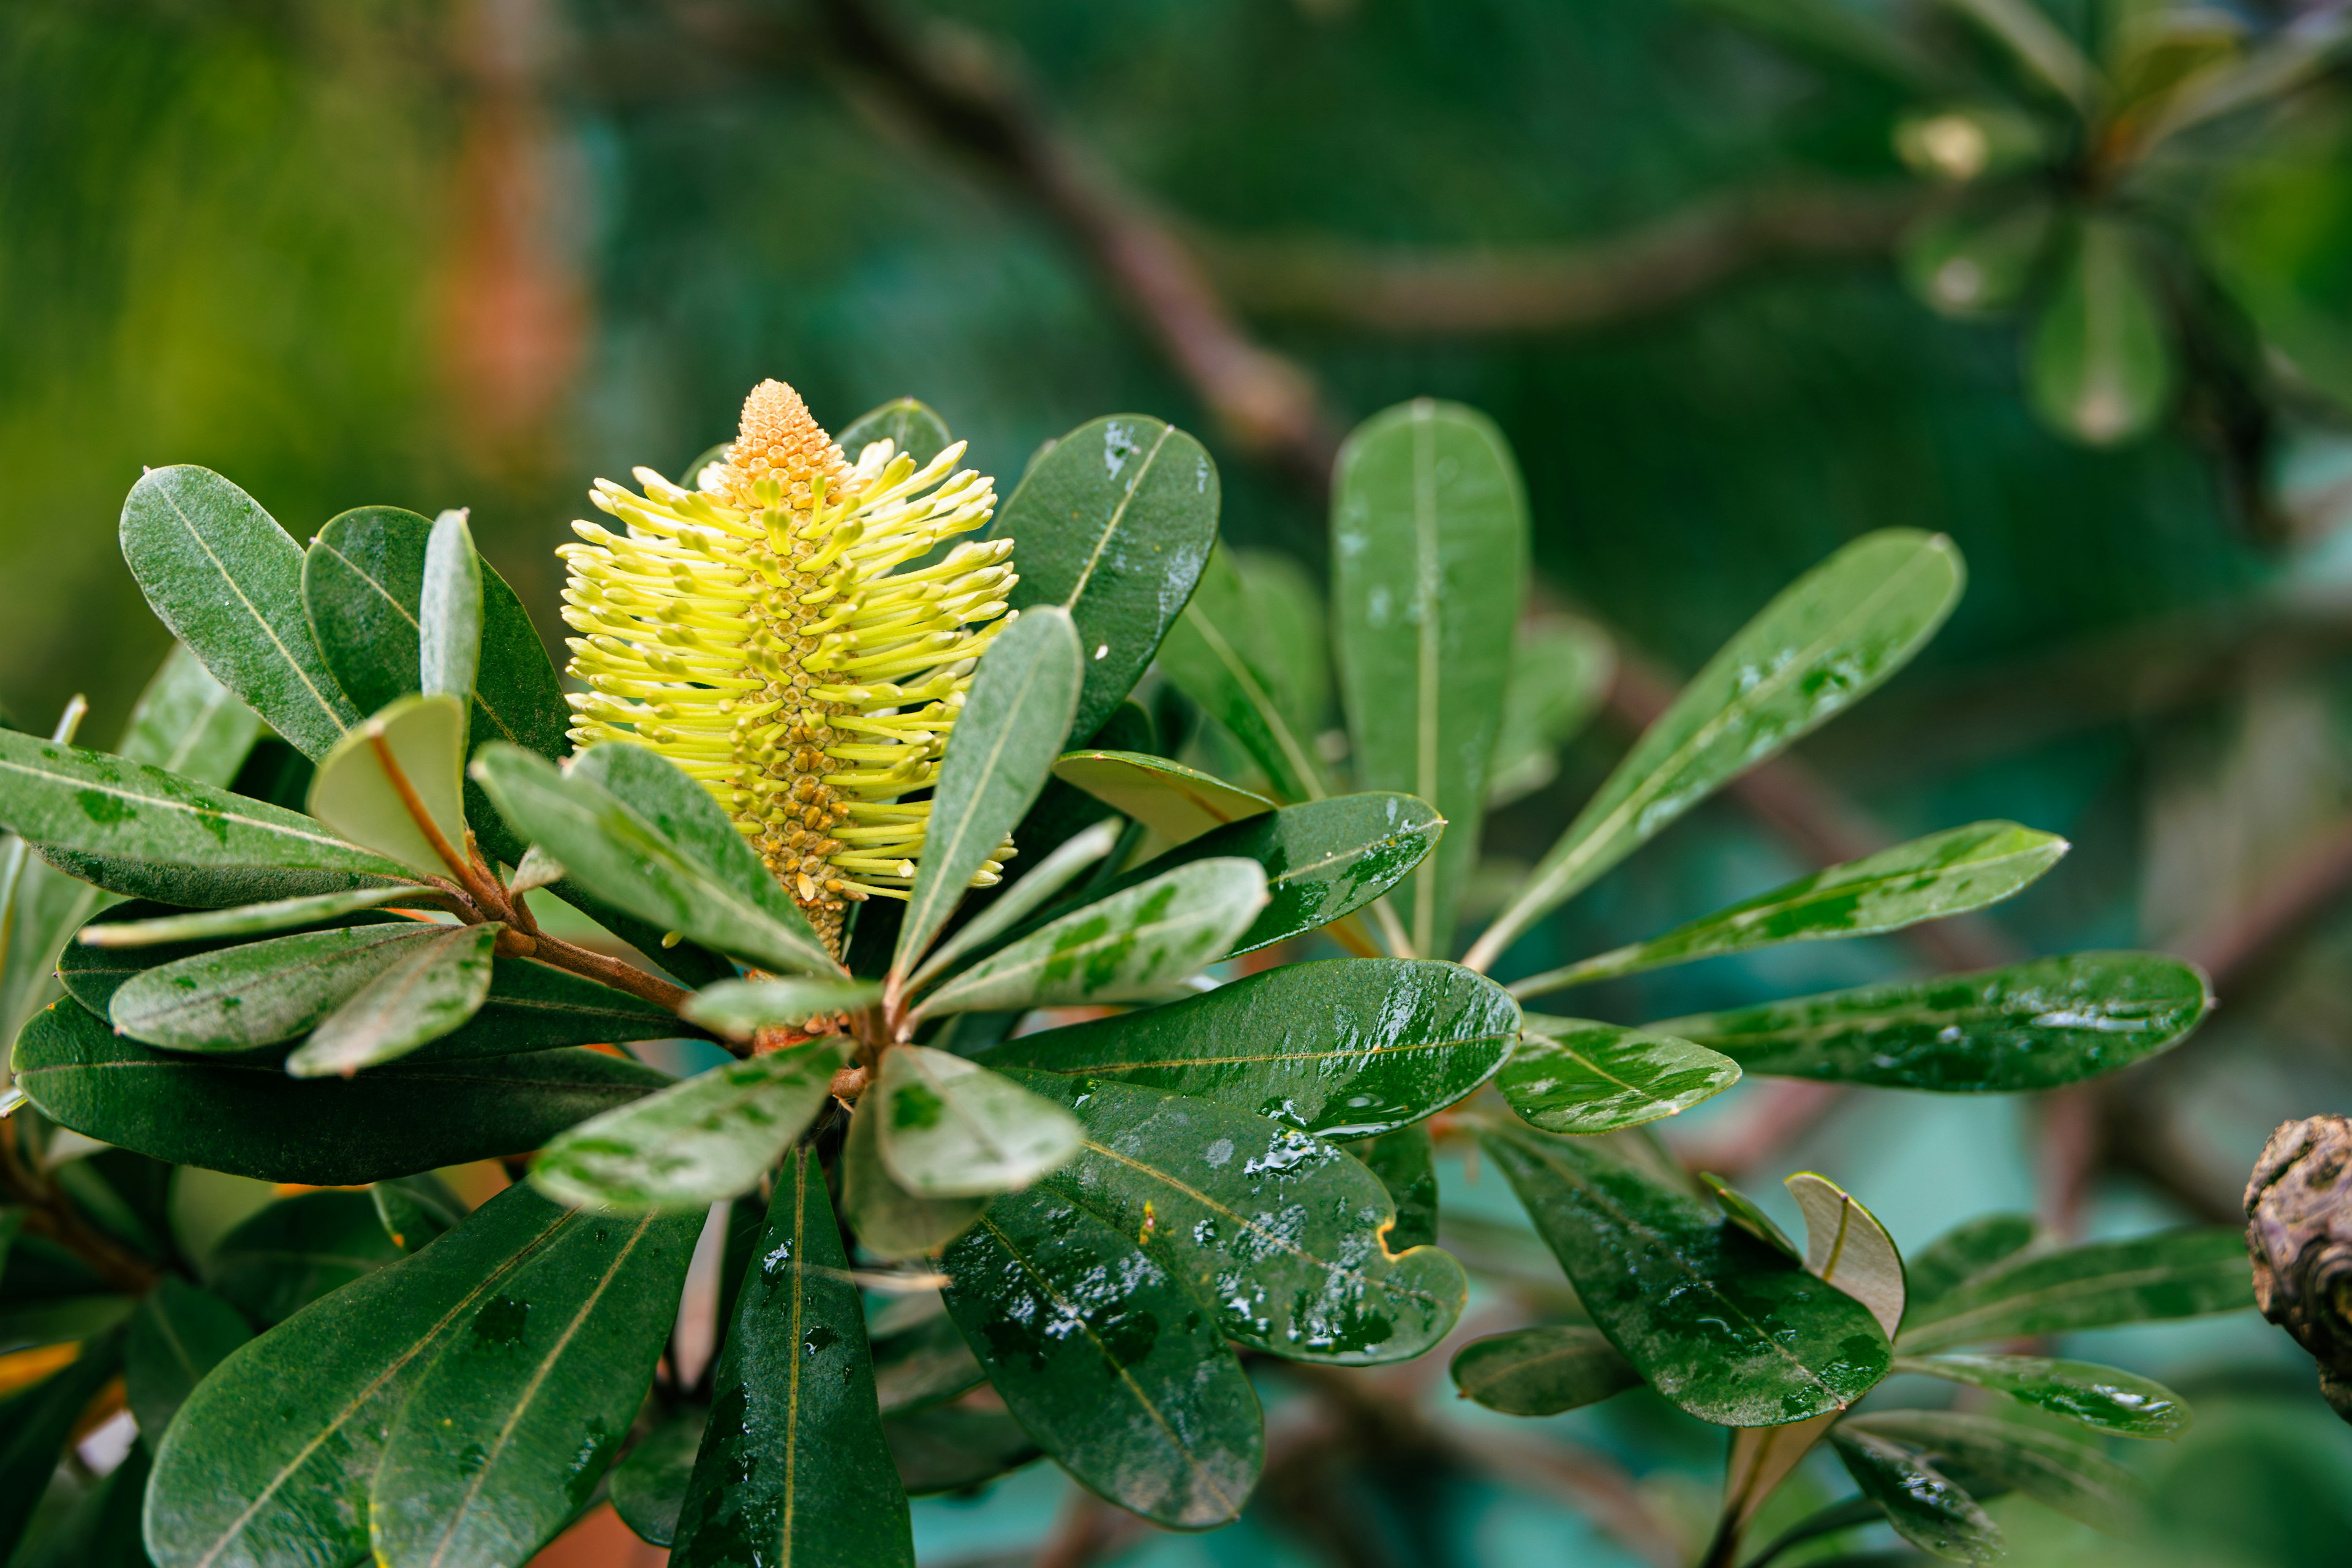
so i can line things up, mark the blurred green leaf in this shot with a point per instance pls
(739, 1008)
(1742, 1210)
(1176, 802)
(1964, 1252)
(1835, 33)
(180, 1333)
(2172, 1274)
(58, 1319)
(236, 998)
(2038, 45)
(2100, 1398)
(890, 1221)
(359, 791)
(1429, 548)
(1219, 654)
(1286, 614)
(250, 919)
(449, 617)
(1925, 1508)
(923, 1365)
(952, 1129)
(1559, 676)
(1108, 1360)
(2100, 366)
(1824, 642)
(1968, 261)
(1576, 1076)
(2065, 1472)
(414, 1210)
(648, 1487)
(1406, 1162)
(955, 1447)
(1542, 1371)
(910, 426)
(298, 1249)
(1846, 1246)
(431, 990)
(40, 1423)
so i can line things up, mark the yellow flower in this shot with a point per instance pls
(772, 632)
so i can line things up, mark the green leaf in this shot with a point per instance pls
(1846, 1246)
(1176, 802)
(449, 617)
(1742, 1210)
(1108, 1362)
(2061, 1471)
(240, 997)
(910, 427)
(1542, 1371)
(1406, 1162)
(58, 1319)
(1925, 1508)
(1222, 655)
(2100, 1398)
(2100, 365)
(40, 1422)
(2172, 1274)
(232, 1492)
(1114, 523)
(1011, 728)
(1559, 678)
(297, 1250)
(648, 1487)
(952, 1129)
(1826, 641)
(1730, 1332)
(1285, 612)
(1947, 873)
(923, 1365)
(1346, 1047)
(890, 1221)
(433, 989)
(413, 749)
(1279, 1233)
(1429, 562)
(1964, 1252)
(955, 1447)
(2039, 45)
(247, 1118)
(741, 1008)
(1323, 860)
(414, 1210)
(2040, 1025)
(504, 1437)
(694, 1143)
(1973, 262)
(796, 1469)
(634, 829)
(180, 1333)
(1058, 870)
(250, 919)
(202, 886)
(1573, 1075)
(1126, 946)
(227, 580)
(62, 797)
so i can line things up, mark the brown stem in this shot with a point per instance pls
(48, 1213)
(561, 955)
(482, 888)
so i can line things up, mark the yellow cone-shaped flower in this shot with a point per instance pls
(768, 632)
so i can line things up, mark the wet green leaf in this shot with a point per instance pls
(247, 1118)
(1176, 802)
(1220, 654)
(923, 1365)
(631, 828)
(449, 614)
(1559, 676)
(1573, 1075)
(649, 1486)
(796, 1469)
(1730, 1332)
(1022, 898)
(1925, 1506)
(694, 1143)
(1108, 1361)
(180, 1333)
(1280, 1233)
(890, 1221)
(1945, 873)
(2100, 1398)
(739, 1008)
(227, 580)
(1964, 1252)
(2031, 1026)
(1114, 523)
(2172, 1274)
(433, 988)
(1128, 946)
(1406, 1162)
(1429, 562)
(910, 426)
(1012, 726)
(251, 919)
(952, 1129)
(954, 1447)
(359, 791)
(1542, 1371)
(2100, 366)
(236, 998)
(2065, 1472)
(1346, 1047)
(1826, 641)
(1846, 1246)
(298, 1249)
(231, 1492)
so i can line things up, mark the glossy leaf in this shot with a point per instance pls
(952, 1129)
(1218, 654)
(1406, 1162)
(741, 1008)
(1825, 642)
(1846, 1246)
(227, 580)
(1108, 1360)
(247, 1118)
(251, 919)
(1573, 1075)
(794, 1468)
(1126, 946)
(634, 829)
(1280, 1233)
(648, 1487)
(923, 1365)
(298, 1249)
(1347, 1048)
(1729, 1331)
(509, 1430)
(1542, 1371)
(449, 617)
(180, 1333)
(2100, 1398)
(910, 426)
(694, 1143)
(890, 1221)
(2171, 1274)
(1178, 802)
(1022, 898)
(1964, 1252)
(230, 1492)
(2100, 366)
(2031, 1026)
(364, 794)
(1559, 676)
(2066, 1473)
(1925, 1508)
(436, 986)
(1114, 522)
(236, 998)
(1943, 874)
(1012, 726)
(1429, 562)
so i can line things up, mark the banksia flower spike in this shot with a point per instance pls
(770, 633)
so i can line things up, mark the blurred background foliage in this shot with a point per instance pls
(1695, 259)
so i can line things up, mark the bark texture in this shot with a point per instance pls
(2299, 1229)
